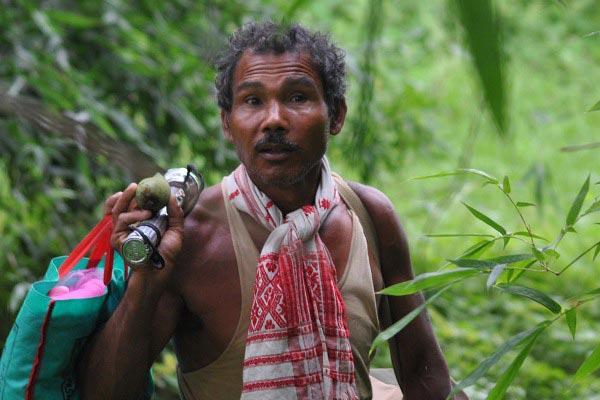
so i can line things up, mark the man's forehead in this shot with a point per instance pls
(255, 66)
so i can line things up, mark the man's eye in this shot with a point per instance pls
(298, 98)
(252, 100)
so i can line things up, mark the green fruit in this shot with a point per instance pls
(153, 193)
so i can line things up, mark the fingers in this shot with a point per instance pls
(131, 217)
(175, 214)
(123, 202)
(110, 203)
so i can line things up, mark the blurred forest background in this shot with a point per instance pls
(90, 90)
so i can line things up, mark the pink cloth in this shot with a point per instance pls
(79, 285)
(298, 344)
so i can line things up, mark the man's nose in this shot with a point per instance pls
(275, 118)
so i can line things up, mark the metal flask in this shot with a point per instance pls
(141, 246)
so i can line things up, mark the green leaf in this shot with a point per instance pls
(578, 202)
(571, 318)
(429, 280)
(506, 185)
(496, 271)
(590, 365)
(595, 207)
(472, 263)
(588, 295)
(490, 262)
(511, 258)
(596, 252)
(482, 29)
(490, 361)
(481, 216)
(595, 107)
(533, 235)
(514, 275)
(538, 254)
(72, 19)
(509, 375)
(579, 147)
(551, 253)
(525, 204)
(476, 248)
(401, 324)
(460, 171)
(532, 294)
(441, 235)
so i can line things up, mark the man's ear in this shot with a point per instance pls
(226, 125)
(337, 121)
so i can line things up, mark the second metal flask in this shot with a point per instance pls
(140, 247)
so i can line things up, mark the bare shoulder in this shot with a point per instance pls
(381, 210)
(207, 214)
(392, 240)
(201, 227)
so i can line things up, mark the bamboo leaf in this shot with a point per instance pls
(482, 29)
(506, 185)
(588, 295)
(481, 216)
(441, 235)
(460, 171)
(490, 262)
(476, 248)
(532, 294)
(578, 202)
(72, 19)
(579, 147)
(525, 204)
(596, 252)
(429, 280)
(595, 107)
(472, 263)
(514, 275)
(571, 318)
(496, 271)
(509, 375)
(511, 258)
(401, 324)
(490, 361)
(590, 365)
(595, 207)
(533, 235)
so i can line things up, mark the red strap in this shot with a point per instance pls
(108, 265)
(100, 233)
(100, 249)
(38, 354)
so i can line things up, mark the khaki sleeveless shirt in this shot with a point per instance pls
(222, 379)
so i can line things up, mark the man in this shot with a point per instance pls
(298, 324)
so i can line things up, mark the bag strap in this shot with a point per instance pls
(97, 239)
(355, 203)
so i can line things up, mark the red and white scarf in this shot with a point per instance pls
(298, 344)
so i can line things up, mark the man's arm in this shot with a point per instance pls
(116, 360)
(418, 361)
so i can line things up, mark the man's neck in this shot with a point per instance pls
(291, 197)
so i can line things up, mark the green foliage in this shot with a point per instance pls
(482, 31)
(509, 268)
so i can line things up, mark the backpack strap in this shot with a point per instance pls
(355, 203)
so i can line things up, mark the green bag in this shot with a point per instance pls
(39, 358)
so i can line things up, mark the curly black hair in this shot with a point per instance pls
(271, 37)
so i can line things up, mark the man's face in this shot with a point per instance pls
(278, 120)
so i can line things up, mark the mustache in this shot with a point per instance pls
(275, 139)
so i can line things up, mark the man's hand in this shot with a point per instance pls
(116, 359)
(123, 208)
